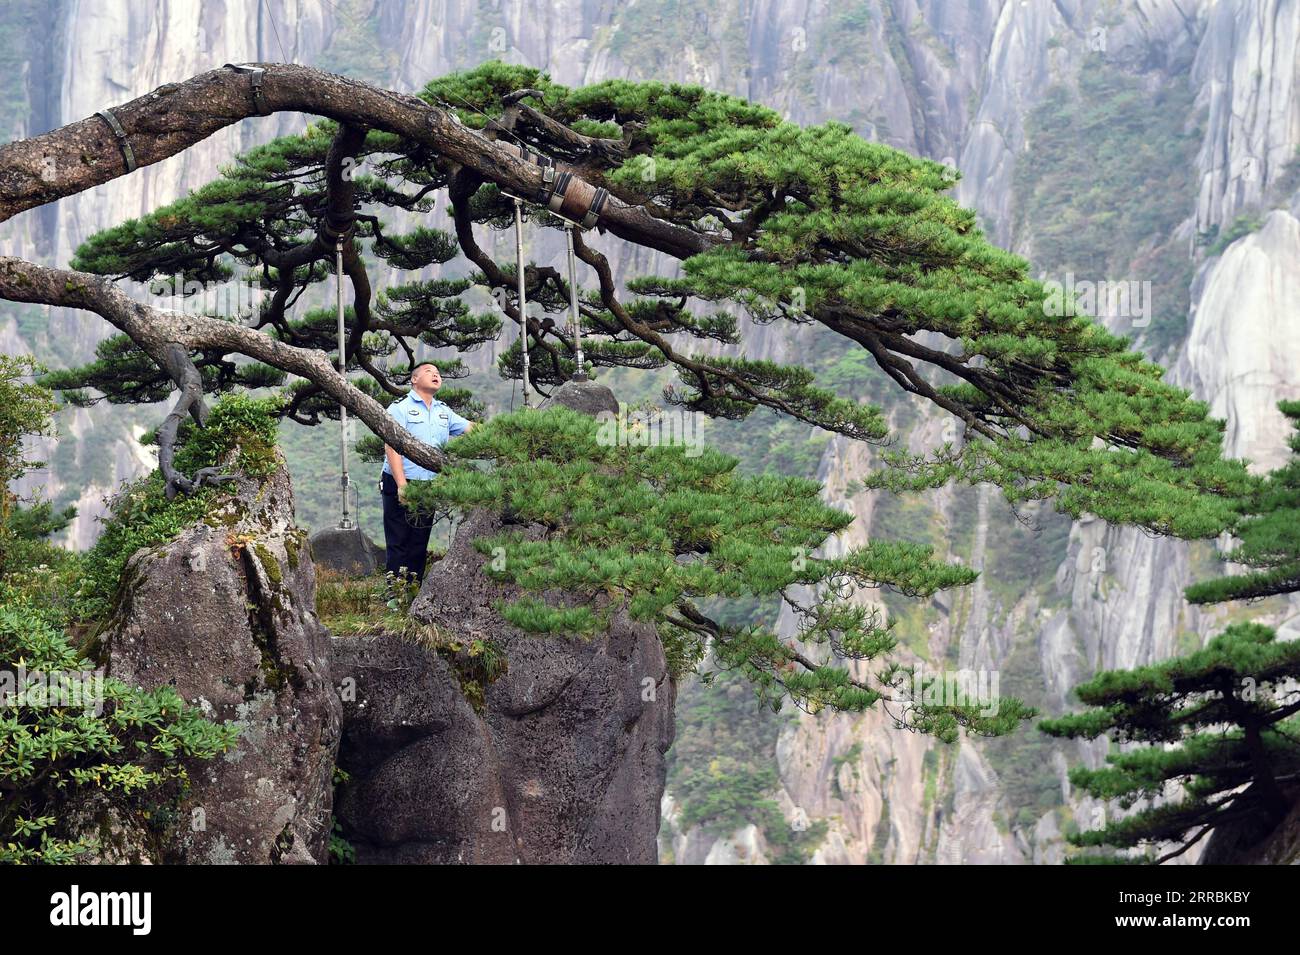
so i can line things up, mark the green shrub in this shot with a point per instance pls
(108, 745)
(1242, 226)
(25, 411)
(142, 516)
(236, 420)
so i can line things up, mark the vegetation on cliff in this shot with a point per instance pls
(82, 756)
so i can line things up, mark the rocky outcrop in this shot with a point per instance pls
(587, 396)
(346, 551)
(1246, 73)
(562, 762)
(225, 613)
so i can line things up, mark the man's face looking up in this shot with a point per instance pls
(427, 378)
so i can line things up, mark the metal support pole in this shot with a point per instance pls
(575, 320)
(523, 304)
(345, 520)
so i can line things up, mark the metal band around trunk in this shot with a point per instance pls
(576, 200)
(258, 74)
(128, 154)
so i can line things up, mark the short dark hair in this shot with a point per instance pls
(420, 364)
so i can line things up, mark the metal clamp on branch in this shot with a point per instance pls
(577, 200)
(547, 165)
(128, 154)
(334, 229)
(257, 74)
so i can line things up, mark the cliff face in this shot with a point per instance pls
(969, 81)
(975, 83)
(226, 614)
(563, 761)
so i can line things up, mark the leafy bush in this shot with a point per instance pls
(1242, 226)
(109, 746)
(235, 421)
(73, 744)
(25, 411)
(142, 516)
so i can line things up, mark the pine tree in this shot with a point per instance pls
(1220, 734)
(804, 226)
(1219, 741)
(798, 225)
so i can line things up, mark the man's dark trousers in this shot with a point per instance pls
(406, 536)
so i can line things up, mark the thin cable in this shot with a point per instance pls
(574, 318)
(345, 519)
(276, 30)
(500, 129)
(523, 305)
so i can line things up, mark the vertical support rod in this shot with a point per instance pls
(345, 519)
(574, 319)
(523, 304)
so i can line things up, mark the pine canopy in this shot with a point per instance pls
(803, 225)
(675, 536)
(1269, 535)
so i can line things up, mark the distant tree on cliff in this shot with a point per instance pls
(1220, 741)
(1220, 724)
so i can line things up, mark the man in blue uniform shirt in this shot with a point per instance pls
(406, 536)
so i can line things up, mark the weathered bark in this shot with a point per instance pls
(154, 330)
(177, 364)
(175, 116)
